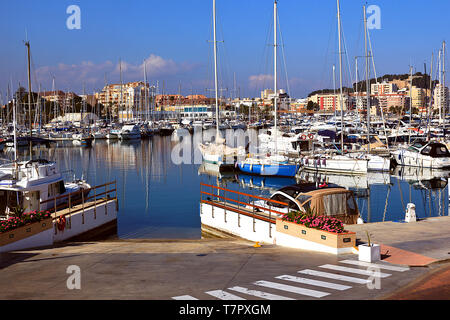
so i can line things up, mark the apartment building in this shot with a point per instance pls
(441, 98)
(331, 102)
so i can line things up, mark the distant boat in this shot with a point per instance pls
(83, 139)
(130, 132)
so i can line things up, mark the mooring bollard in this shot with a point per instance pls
(410, 215)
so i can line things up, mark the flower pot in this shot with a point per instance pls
(369, 253)
(299, 236)
(25, 231)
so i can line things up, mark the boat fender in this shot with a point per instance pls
(61, 222)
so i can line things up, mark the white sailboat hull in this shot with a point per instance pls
(337, 164)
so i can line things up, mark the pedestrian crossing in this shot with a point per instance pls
(307, 283)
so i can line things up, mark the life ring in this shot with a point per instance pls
(303, 137)
(310, 136)
(61, 223)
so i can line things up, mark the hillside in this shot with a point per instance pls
(423, 81)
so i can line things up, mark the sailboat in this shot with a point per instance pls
(432, 154)
(347, 163)
(82, 138)
(218, 152)
(27, 185)
(271, 164)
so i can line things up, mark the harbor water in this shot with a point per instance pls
(159, 198)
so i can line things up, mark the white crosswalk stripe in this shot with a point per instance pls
(376, 265)
(260, 294)
(353, 270)
(223, 295)
(184, 298)
(318, 283)
(298, 290)
(334, 276)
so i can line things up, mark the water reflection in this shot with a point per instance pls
(160, 199)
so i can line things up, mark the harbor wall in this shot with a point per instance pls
(237, 224)
(257, 230)
(41, 239)
(82, 222)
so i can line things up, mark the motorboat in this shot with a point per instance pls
(322, 200)
(31, 185)
(432, 154)
(130, 132)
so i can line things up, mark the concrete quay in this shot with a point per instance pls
(215, 268)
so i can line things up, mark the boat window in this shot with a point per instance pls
(307, 205)
(351, 205)
(291, 192)
(303, 197)
(281, 198)
(335, 204)
(426, 150)
(53, 190)
(62, 188)
(440, 151)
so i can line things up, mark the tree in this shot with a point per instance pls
(243, 109)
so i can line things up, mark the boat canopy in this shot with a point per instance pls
(338, 203)
(436, 150)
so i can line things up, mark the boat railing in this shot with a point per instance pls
(243, 203)
(79, 201)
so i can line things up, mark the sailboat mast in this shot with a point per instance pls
(429, 113)
(27, 44)
(334, 92)
(145, 91)
(367, 81)
(410, 102)
(440, 88)
(443, 79)
(216, 82)
(14, 126)
(121, 92)
(340, 77)
(275, 71)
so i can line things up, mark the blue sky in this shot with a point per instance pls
(173, 35)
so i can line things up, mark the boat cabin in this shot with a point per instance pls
(329, 200)
(432, 149)
(26, 184)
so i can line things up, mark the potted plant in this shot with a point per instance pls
(369, 252)
(307, 230)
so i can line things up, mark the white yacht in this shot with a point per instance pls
(433, 154)
(129, 132)
(28, 185)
